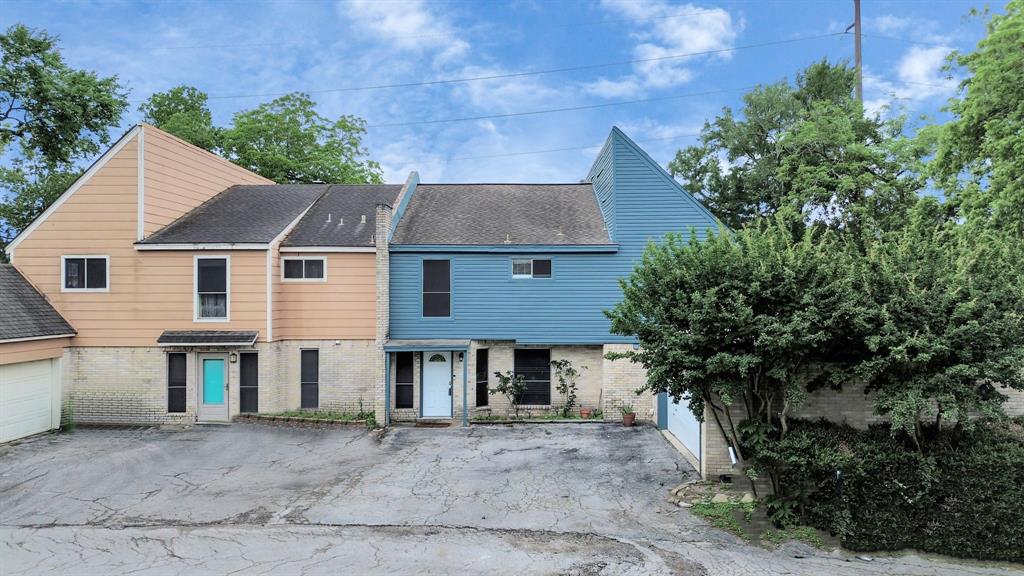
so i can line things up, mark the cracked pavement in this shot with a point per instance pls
(256, 499)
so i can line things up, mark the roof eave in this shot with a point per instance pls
(506, 248)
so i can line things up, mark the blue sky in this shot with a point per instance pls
(244, 53)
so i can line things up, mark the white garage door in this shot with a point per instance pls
(683, 425)
(29, 398)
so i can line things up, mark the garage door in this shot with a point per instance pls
(29, 398)
(683, 425)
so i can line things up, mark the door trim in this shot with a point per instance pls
(200, 377)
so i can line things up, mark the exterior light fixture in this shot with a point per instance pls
(233, 357)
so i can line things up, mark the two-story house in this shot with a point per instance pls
(198, 290)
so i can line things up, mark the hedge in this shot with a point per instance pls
(961, 495)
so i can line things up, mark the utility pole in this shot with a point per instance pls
(856, 50)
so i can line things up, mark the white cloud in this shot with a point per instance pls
(918, 77)
(663, 30)
(412, 26)
(888, 23)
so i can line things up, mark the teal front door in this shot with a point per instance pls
(213, 388)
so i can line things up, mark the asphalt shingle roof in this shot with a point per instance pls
(336, 219)
(490, 214)
(24, 312)
(241, 214)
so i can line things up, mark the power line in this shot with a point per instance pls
(535, 72)
(554, 110)
(571, 148)
(905, 40)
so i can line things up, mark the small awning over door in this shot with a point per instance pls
(207, 338)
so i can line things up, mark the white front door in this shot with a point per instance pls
(437, 385)
(212, 377)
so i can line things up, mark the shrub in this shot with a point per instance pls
(963, 495)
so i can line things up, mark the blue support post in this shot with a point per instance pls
(387, 389)
(465, 377)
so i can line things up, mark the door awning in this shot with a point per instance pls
(422, 345)
(207, 338)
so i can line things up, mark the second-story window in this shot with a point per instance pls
(531, 268)
(437, 289)
(308, 269)
(212, 301)
(85, 273)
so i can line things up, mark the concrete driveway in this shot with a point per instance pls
(542, 499)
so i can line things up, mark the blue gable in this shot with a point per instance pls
(639, 202)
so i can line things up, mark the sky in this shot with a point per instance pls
(657, 69)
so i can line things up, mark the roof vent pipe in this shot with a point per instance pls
(363, 219)
(328, 217)
(508, 239)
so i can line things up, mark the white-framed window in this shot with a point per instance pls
(312, 269)
(531, 268)
(212, 287)
(85, 273)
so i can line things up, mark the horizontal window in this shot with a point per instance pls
(531, 268)
(313, 269)
(212, 299)
(86, 273)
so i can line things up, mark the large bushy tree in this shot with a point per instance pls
(979, 161)
(806, 146)
(51, 115)
(183, 111)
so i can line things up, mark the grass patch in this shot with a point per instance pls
(323, 415)
(725, 515)
(554, 416)
(806, 534)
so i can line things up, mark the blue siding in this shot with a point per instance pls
(642, 201)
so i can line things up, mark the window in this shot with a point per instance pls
(535, 366)
(437, 288)
(304, 269)
(403, 379)
(176, 382)
(85, 273)
(531, 268)
(481, 376)
(212, 287)
(310, 379)
(248, 382)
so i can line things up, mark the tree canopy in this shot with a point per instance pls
(807, 148)
(285, 140)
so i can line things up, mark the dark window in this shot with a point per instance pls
(535, 366)
(212, 287)
(481, 377)
(304, 269)
(85, 273)
(176, 382)
(403, 379)
(437, 288)
(542, 268)
(249, 382)
(310, 384)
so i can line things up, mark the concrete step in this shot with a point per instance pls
(433, 422)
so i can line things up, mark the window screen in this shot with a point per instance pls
(310, 379)
(535, 366)
(304, 269)
(404, 380)
(176, 382)
(212, 287)
(437, 288)
(542, 268)
(85, 273)
(481, 376)
(531, 268)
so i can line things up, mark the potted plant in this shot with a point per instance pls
(586, 413)
(628, 415)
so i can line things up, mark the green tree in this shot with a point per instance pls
(287, 140)
(182, 111)
(944, 327)
(751, 319)
(979, 161)
(53, 115)
(806, 147)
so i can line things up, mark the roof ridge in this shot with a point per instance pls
(505, 184)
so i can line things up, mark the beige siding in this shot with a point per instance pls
(180, 176)
(342, 308)
(29, 350)
(149, 291)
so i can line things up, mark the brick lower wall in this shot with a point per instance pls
(622, 379)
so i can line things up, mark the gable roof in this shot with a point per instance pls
(24, 312)
(336, 219)
(241, 214)
(502, 214)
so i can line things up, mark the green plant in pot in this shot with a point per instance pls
(628, 415)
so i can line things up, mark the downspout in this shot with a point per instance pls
(465, 376)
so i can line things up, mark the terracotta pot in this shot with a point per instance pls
(586, 413)
(628, 419)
